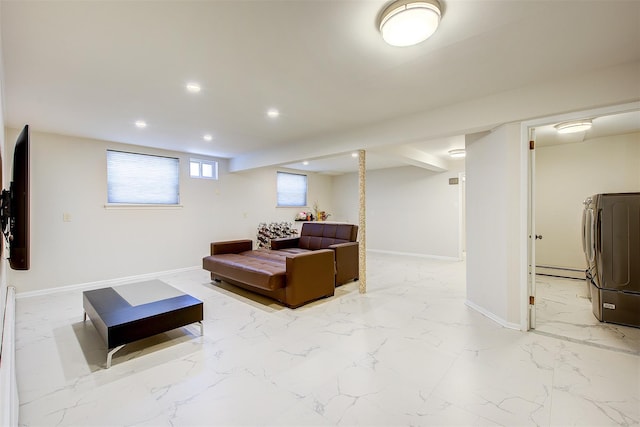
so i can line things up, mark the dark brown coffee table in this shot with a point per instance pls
(128, 313)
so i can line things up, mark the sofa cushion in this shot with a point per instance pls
(266, 271)
(266, 255)
(293, 250)
(315, 236)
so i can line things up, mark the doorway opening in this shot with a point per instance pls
(562, 172)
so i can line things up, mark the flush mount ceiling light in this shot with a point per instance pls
(573, 127)
(193, 87)
(273, 113)
(207, 137)
(141, 124)
(408, 22)
(457, 153)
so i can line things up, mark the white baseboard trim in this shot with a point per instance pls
(568, 272)
(413, 254)
(492, 316)
(105, 283)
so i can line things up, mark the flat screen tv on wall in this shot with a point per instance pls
(14, 206)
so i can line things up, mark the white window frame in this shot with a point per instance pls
(279, 196)
(201, 163)
(170, 199)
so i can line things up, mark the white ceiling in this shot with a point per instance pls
(603, 126)
(92, 68)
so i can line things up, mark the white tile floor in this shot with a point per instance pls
(564, 310)
(409, 352)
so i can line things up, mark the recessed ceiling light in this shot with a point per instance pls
(573, 127)
(273, 113)
(193, 87)
(354, 155)
(207, 137)
(141, 124)
(306, 163)
(458, 153)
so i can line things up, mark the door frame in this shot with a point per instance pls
(526, 174)
(462, 219)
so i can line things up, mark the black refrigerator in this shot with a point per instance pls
(611, 243)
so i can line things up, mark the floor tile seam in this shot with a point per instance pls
(460, 357)
(497, 406)
(436, 386)
(463, 408)
(586, 343)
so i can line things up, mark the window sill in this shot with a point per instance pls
(125, 206)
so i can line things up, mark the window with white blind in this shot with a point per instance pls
(291, 189)
(142, 179)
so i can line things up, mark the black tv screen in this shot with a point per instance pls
(14, 207)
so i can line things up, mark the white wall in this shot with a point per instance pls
(409, 209)
(494, 215)
(566, 175)
(68, 175)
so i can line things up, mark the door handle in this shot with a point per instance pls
(538, 236)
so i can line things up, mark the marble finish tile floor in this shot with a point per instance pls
(564, 310)
(409, 352)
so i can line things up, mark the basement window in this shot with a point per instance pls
(291, 189)
(142, 179)
(206, 169)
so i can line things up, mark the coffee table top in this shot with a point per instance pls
(127, 313)
(129, 303)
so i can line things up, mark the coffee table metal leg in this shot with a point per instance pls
(201, 328)
(111, 353)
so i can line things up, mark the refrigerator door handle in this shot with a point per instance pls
(584, 231)
(592, 249)
(594, 246)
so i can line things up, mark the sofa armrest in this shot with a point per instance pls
(310, 275)
(342, 246)
(231, 246)
(347, 261)
(285, 242)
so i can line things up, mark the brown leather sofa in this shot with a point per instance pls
(296, 270)
(341, 238)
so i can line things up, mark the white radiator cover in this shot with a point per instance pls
(9, 404)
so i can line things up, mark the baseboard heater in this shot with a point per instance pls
(9, 404)
(569, 273)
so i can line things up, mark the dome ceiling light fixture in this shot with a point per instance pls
(409, 22)
(273, 113)
(193, 87)
(458, 153)
(574, 126)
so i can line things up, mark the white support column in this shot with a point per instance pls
(362, 223)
